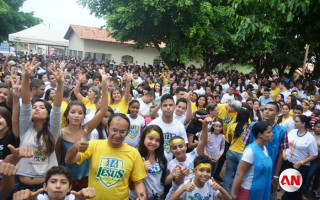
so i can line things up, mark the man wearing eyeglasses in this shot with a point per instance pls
(113, 163)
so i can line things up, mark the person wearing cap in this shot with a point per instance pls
(265, 98)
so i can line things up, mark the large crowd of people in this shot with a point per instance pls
(82, 129)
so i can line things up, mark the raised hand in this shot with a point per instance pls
(21, 152)
(206, 121)
(29, 68)
(184, 170)
(7, 169)
(176, 172)
(57, 73)
(189, 186)
(85, 193)
(26, 194)
(15, 86)
(215, 185)
(83, 144)
(141, 196)
(147, 164)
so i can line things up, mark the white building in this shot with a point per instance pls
(90, 42)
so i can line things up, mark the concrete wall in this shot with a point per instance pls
(117, 50)
(112, 51)
(75, 43)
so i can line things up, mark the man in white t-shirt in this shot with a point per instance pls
(289, 123)
(225, 86)
(170, 126)
(146, 103)
(284, 91)
(228, 97)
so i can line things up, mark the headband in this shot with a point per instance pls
(201, 116)
(216, 122)
(294, 92)
(307, 102)
(153, 132)
(178, 140)
(203, 165)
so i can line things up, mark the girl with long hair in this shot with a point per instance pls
(101, 130)
(235, 131)
(76, 134)
(257, 114)
(136, 124)
(292, 102)
(216, 143)
(201, 102)
(285, 114)
(49, 95)
(157, 92)
(152, 152)
(39, 125)
(92, 98)
(254, 174)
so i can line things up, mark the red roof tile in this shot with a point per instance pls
(93, 33)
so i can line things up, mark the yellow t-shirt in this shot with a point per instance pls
(226, 117)
(90, 107)
(151, 85)
(236, 144)
(193, 108)
(274, 93)
(64, 106)
(111, 169)
(121, 107)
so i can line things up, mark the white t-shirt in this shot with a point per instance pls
(152, 183)
(227, 98)
(175, 128)
(180, 118)
(95, 135)
(308, 113)
(225, 87)
(285, 95)
(187, 163)
(206, 192)
(133, 136)
(288, 124)
(249, 158)
(301, 146)
(144, 107)
(45, 197)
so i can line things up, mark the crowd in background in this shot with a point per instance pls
(164, 131)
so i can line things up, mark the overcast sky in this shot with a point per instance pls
(61, 13)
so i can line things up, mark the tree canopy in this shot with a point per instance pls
(269, 34)
(13, 20)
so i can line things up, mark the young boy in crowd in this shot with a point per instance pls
(202, 187)
(57, 186)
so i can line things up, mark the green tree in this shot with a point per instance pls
(282, 28)
(13, 20)
(191, 29)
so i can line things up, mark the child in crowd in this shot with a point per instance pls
(152, 152)
(216, 143)
(201, 186)
(136, 124)
(57, 185)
